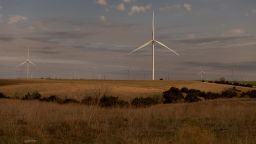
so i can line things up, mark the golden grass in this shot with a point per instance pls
(230, 121)
(123, 89)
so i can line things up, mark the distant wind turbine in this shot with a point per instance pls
(27, 62)
(202, 73)
(153, 41)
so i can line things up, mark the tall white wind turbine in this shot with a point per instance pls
(202, 73)
(27, 62)
(153, 41)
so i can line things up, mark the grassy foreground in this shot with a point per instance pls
(209, 122)
(221, 121)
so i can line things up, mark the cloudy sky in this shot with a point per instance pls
(91, 38)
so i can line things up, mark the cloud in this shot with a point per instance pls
(188, 7)
(16, 19)
(253, 11)
(102, 2)
(1, 7)
(6, 38)
(212, 39)
(234, 32)
(139, 9)
(127, 1)
(247, 65)
(170, 7)
(120, 7)
(1, 17)
(103, 19)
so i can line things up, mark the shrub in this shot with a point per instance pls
(34, 96)
(52, 99)
(3, 96)
(184, 90)
(88, 100)
(251, 94)
(110, 101)
(192, 97)
(229, 93)
(211, 95)
(69, 100)
(172, 95)
(143, 102)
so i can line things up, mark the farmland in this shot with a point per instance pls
(219, 121)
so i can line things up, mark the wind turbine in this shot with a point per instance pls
(153, 41)
(202, 73)
(27, 62)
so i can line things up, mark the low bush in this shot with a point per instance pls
(34, 96)
(89, 100)
(52, 99)
(3, 96)
(184, 90)
(251, 94)
(110, 101)
(69, 100)
(192, 97)
(173, 95)
(223, 81)
(211, 95)
(229, 93)
(145, 101)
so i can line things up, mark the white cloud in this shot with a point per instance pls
(188, 7)
(191, 36)
(234, 32)
(128, 1)
(237, 31)
(120, 7)
(139, 9)
(170, 7)
(1, 17)
(103, 19)
(102, 2)
(16, 19)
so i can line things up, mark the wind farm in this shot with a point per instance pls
(73, 72)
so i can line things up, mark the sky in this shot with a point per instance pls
(91, 39)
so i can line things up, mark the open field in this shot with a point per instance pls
(220, 121)
(223, 121)
(123, 89)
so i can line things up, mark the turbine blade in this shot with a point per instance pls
(31, 62)
(142, 46)
(21, 64)
(167, 47)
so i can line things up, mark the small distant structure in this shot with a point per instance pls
(27, 62)
(202, 73)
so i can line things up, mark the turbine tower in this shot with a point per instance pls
(153, 41)
(202, 73)
(27, 62)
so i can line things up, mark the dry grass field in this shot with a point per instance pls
(208, 122)
(221, 121)
(123, 89)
